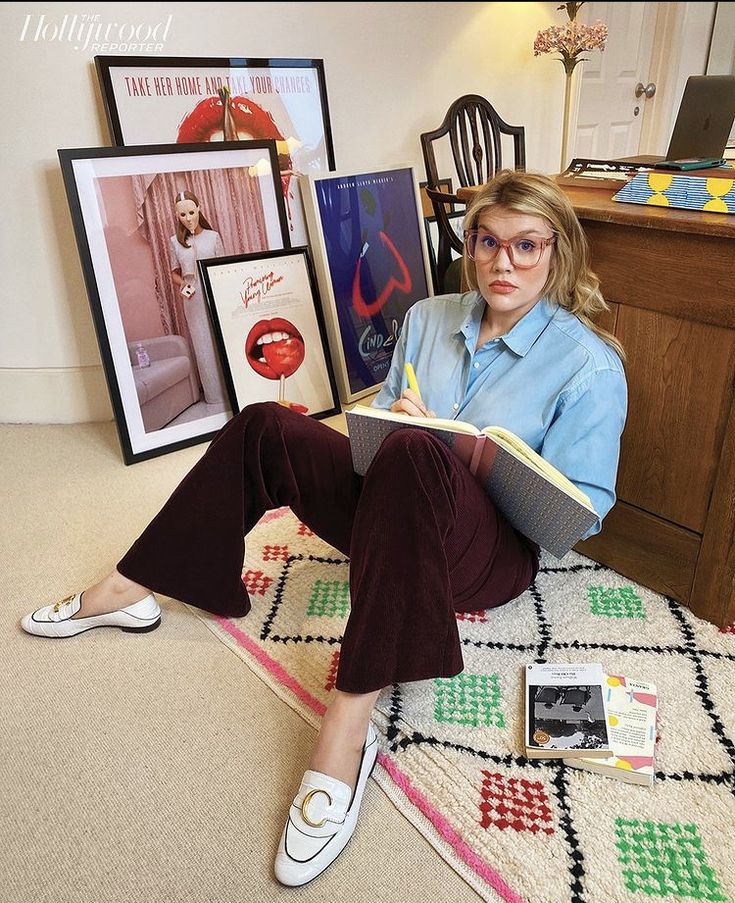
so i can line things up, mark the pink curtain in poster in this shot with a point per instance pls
(230, 201)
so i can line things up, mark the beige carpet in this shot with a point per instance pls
(155, 767)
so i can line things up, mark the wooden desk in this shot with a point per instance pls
(668, 276)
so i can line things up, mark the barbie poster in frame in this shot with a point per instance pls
(165, 100)
(142, 217)
(270, 330)
(368, 240)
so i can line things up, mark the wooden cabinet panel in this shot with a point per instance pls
(680, 383)
(646, 549)
(683, 275)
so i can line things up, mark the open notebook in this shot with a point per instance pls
(537, 499)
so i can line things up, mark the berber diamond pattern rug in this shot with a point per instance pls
(452, 749)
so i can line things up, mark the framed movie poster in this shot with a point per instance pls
(269, 327)
(143, 217)
(165, 100)
(367, 236)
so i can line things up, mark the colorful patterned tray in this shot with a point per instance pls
(714, 194)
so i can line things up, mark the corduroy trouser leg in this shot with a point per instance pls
(423, 538)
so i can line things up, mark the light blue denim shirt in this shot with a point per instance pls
(550, 380)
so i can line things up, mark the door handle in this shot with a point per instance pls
(649, 90)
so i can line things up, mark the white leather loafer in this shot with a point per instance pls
(321, 820)
(58, 620)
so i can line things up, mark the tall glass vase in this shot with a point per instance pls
(565, 121)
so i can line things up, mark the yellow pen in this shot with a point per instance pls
(412, 381)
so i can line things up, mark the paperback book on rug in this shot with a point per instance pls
(631, 713)
(566, 712)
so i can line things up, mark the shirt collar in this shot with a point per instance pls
(522, 335)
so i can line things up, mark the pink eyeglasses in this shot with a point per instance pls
(524, 252)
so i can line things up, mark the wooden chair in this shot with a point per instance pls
(474, 131)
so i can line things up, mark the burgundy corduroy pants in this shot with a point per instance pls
(423, 538)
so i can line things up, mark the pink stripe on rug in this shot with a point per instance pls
(278, 671)
(446, 831)
(449, 834)
(273, 515)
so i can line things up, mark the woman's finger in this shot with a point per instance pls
(415, 400)
(406, 406)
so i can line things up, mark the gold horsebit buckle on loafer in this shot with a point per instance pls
(305, 803)
(63, 602)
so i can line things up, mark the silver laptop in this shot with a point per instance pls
(703, 123)
(705, 117)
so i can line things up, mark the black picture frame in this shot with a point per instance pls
(271, 294)
(120, 231)
(163, 100)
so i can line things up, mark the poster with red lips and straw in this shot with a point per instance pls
(185, 100)
(269, 327)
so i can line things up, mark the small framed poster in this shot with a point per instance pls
(142, 217)
(369, 244)
(269, 326)
(182, 100)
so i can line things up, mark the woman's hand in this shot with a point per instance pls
(410, 403)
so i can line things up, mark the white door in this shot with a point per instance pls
(609, 115)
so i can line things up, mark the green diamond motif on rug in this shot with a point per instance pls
(472, 778)
(665, 860)
(472, 699)
(329, 599)
(622, 602)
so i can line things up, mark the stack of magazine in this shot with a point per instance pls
(605, 723)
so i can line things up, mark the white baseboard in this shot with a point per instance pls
(54, 395)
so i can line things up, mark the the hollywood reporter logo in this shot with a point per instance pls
(90, 32)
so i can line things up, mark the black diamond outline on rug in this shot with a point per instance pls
(265, 630)
(400, 740)
(558, 777)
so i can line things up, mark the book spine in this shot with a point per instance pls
(477, 454)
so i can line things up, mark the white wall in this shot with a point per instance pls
(392, 70)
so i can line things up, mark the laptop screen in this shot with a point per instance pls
(705, 117)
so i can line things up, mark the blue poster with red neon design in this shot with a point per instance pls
(376, 264)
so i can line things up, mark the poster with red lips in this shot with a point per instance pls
(367, 230)
(166, 100)
(269, 327)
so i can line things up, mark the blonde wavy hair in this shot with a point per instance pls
(571, 283)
